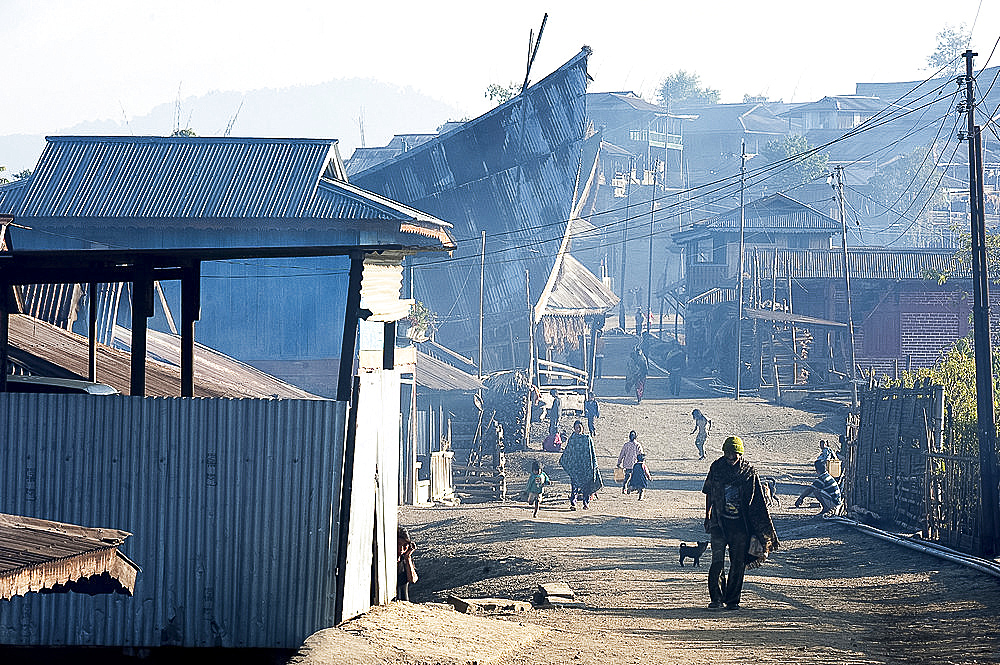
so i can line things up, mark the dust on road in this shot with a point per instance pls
(829, 595)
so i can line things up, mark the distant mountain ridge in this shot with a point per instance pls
(324, 110)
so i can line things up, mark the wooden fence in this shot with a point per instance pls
(908, 470)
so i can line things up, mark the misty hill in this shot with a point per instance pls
(325, 110)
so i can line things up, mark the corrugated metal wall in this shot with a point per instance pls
(233, 505)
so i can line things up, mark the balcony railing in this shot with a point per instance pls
(704, 276)
(656, 139)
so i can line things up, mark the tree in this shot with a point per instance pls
(685, 88)
(960, 263)
(951, 42)
(910, 186)
(20, 175)
(956, 371)
(502, 93)
(187, 132)
(793, 161)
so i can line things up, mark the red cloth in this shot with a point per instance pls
(552, 443)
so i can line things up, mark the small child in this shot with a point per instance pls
(639, 479)
(536, 484)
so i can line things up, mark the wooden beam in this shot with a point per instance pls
(142, 309)
(352, 314)
(5, 290)
(389, 345)
(92, 331)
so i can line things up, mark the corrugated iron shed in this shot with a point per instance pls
(48, 350)
(185, 193)
(52, 557)
(513, 173)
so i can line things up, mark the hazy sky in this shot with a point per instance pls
(71, 61)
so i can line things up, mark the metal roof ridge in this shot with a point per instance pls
(120, 138)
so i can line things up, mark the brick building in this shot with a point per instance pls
(794, 330)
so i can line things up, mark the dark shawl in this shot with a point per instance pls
(580, 462)
(752, 505)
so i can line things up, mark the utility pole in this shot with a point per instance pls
(482, 275)
(649, 276)
(628, 213)
(839, 170)
(986, 424)
(739, 277)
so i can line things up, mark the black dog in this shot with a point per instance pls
(693, 551)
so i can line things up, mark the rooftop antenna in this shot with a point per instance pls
(361, 124)
(232, 121)
(177, 110)
(125, 117)
(533, 49)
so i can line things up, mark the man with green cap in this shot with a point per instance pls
(735, 517)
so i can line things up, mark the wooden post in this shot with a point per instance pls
(531, 357)
(5, 292)
(190, 313)
(92, 332)
(777, 385)
(352, 314)
(389, 345)
(142, 309)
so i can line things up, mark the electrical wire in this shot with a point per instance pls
(723, 187)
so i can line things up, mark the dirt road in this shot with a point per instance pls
(829, 595)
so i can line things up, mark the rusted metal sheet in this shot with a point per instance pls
(37, 555)
(47, 350)
(233, 505)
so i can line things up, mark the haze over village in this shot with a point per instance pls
(560, 296)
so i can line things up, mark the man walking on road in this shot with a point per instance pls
(735, 517)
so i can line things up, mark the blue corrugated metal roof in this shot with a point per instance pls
(112, 182)
(11, 195)
(510, 172)
(164, 177)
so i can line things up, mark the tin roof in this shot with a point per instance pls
(752, 118)
(190, 184)
(41, 555)
(48, 350)
(365, 158)
(776, 212)
(614, 101)
(848, 103)
(576, 292)
(436, 374)
(511, 172)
